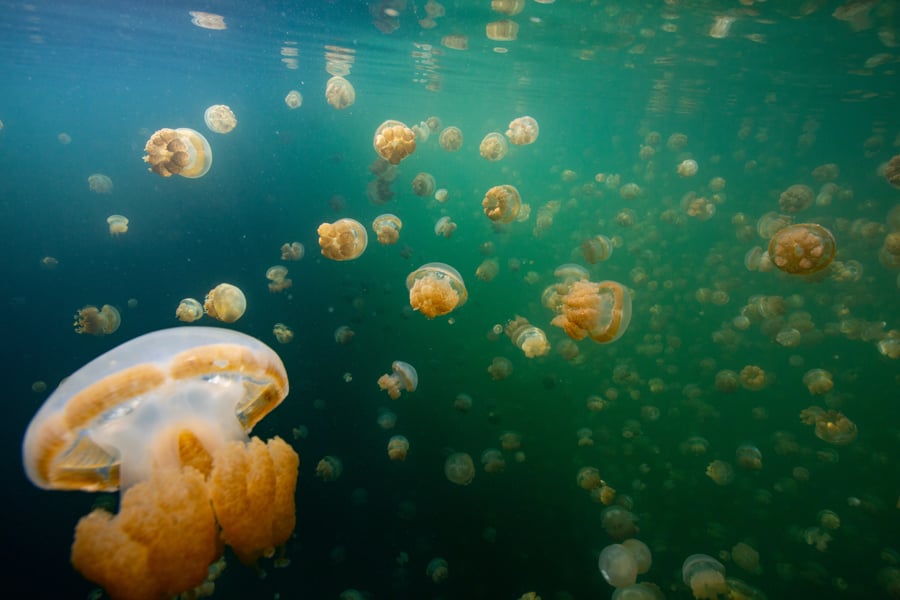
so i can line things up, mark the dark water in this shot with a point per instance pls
(786, 90)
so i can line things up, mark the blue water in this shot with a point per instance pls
(785, 91)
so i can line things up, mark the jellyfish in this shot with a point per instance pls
(329, 468)
(398, 446)
(746, 557)
(225, 302)
(601, 311)
(117, 225)
(441, 195)
(96, 321)
(796, 198)
(818, 381)
(386, 419)
(462, 403)
(641, 553)
(189, 310)
(720, 472)
(100, 183)
(282, 333)
(501, 203)
(437, 570)
(49, 263)
(394, 141)
(511, 440)
(492, 461)
(835, 428)
(522, 131)
(278, 281)
(165, 418)
(508, 7)
(207, 20)
(705, 576)
(180, 151)
(455, 41)
(487, 270)
(292, 251)
(423, 185)
(220, 118)
(339, 93)
(436, 289)
(748, 457)
(294, 99)
(500, 368)
(459, 468)
(345, 239)
(493, 146)
(618, 522)
(753, 377)
(596, 249)
(64, 138)
(404, 378)
(585, 437)
(444, 227)
(343, 334)
(687, 168)
(531, 340)
(618, 566)
(892, 171)
(451, 139)
(387, 228)
(502, 31)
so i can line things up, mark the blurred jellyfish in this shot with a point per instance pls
(687, 168)
(492, 461)
(220, 118)
(343, 334)
(403, 378)
(345, 239)
(100, 183)
(502, 31)
(397, 448)
(423, 185)
(444, 227)
(618, 566)
(493, 146)
(835, 428)
(530, 339)
(720, 472)
(207, 20)
(329, 468)
(487, 270)
(818, 381)
(451, 139)
(394, 141)
(293, 99)
(585, 437)
(501, 203)
(588, 478)
(522, 131)
(94, 321)
(601, 311)
(441, 195)
(225, 302)
(387, 228)
(746, 557)
(596, 249)
(339, 93)
(500, 368)
(282, 333)
(618, 522)
(892, 171)
(386, 419)
(796, 198)
(189, 310)
(437, 570)
(292, 251)
(462, 403)
(748, 457)
(705, 576)
(511, 440)
(459, 468)
(753, 378)
(436, 289)
(49, 263)
(117, 225)
(641, 553)
(278, 281)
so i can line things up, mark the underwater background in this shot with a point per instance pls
(765, 95)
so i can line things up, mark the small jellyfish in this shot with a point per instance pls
(618, 566)
(220, 118)
(278, 280)
(462, 403)
(94, 321)
(641, 553)
(511, 440)
(397, 448)
(585, 437)
(508, 7)
(500, 368)
(292, 251)
(182, 151)
(720, 472)
(387, 228)
(746, 557)
(189, 310)
(601, 311)
(492, 461)
(436, 289)
(618, 522)
(404, 378)
(530, 339)
(487, 270)
(796, 198)
(282, 333)
(441, 195)
(687, 168)
(802, 249)
(501, 203)
(459, 468)
(504, 30)
(444, 227)
(117, 225)
(596, 249)
(829, 519)
(588, 478)
(207, 20)
(705, 576)
(49, 263)
(753, 378)
(394, 141)
(748, 457)
(339, 93)
(345, 239)
(423, 185)
(100, 183)
(225, 302)
(294, 99)
(892, 171)
(437, 570)
(522, 131)
(387, 420)
(343, 335)
(493, 146)
(451, 139)
(329, 468)
(818, 381)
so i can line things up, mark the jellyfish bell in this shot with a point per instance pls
(387, 228)
(423, 185)
(220, 118)
(117, 225)
(394, 141)
(100, 183)
(94, 321)
(339, 93)
(398, 447)
(189, 310)
(705, 576)
(501, 203)
(294, 99)
(345, 239)
(522, 131)
(436, 289)
(493, 146)
(601, 311)
(182, 151)
(404, 378)
(802, 248)
(444, 227)
(459, 468)
(451, 139)
(207, 20)
(226, 303)
(618, 566)
(530, 339)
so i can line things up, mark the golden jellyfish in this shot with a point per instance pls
(588, 478)
(459, 468)
(444, 227)
(705, 576)
(451, 139)
(329, 468)
(339, 93)
(720, 472)
(436, 289)
(294, 99)
(225, 302)
(492, 461)
(530, 339)
(892, 171)
(687, 168)
(343, 335)
(601, 311)
(818, 381)
(746, 557)
(502, 31)
(462, 403)
(596, 249)
(487, 270)
(835, 428)
(100, 183)
(165, 418)
(207, 20)
(618, 566)
(437, 570)
(455, 41)
(278, 281)
(522, 131)
(501, 203)
(796, 198)
(748, 457)
(282, 333)
(189, 310)
(508, 7)
(292, 251)
(641, 553)
(569, 273)
(802, 249)
(181, 151)
(423, 185)
(394, 141)
(96, 321)
(500, 368)
(753, 378)
(677, 142)
(441, 195)
(345, 239)
(386, 419)
(117, 225)
(398, 447)
(618, 522)
(404, 377)
(220, 118)
(493, 146)
(387, 228)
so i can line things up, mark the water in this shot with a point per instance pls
(787, 89)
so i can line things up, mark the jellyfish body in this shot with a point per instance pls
(802, 248)
(459, 468)
(493, 147)
(100, 183)
(501, 203)
(423, 185)
(282, 333)
(292, 251)
(451, 139)
(705, 576)
(601, 311)
(394, 141)
(225, 302)
(117, 225)
(437, 570)
(94, 321)
(387, 228)
(398, 447)
(444, 227)
(278, 280)
(294, 99)
(329, 468)
(189, 310)
(618, 566)
(687, 168)
(404, 377)
(220, 118)
(345, 239)
(530, 339)
(436, 289)
(522, 131)
(596, 249)
(339, 93)
(180, 151)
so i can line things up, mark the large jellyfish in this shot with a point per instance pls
(436, 289)
(180, 151)
(601, 311)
